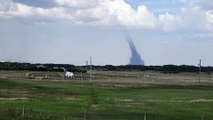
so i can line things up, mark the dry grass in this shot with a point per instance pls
(114, 77)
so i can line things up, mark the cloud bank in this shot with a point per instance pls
(196, 14)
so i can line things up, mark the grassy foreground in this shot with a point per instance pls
(73, 100)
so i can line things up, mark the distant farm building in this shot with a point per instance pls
(58, 69)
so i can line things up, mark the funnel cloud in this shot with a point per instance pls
(135, 58)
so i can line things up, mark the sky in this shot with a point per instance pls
(176, 32)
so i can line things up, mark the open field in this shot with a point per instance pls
(105, 96)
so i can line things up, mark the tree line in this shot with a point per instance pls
(73, 68)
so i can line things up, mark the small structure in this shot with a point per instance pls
(58, 69)
(40, 67)
(69, 74)
(39, 78)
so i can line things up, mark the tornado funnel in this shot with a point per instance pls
(135, 58)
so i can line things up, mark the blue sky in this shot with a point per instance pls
(70, 31)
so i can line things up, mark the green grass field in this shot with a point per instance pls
(108, 96)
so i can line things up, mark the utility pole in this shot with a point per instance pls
(90, 67)
(199, 65)
(86, 68)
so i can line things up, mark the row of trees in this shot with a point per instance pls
(38, 67)
(69, 67)
(164, 68)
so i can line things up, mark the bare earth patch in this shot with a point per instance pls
(12, 99)
(71, 99)
(14, 91)
(202, 100)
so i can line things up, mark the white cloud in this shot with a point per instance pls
(92, 12)
(194, 18)
(145, 18)
(77, 3)
(11, 10)
(118, 12)
(203, 4)
(209, 16)
(110, 13)
(169, 22)
(6, 6)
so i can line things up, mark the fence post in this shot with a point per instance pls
(144, 116)
(23, 111)
(202, 117)
(85, 114)
(82, 76)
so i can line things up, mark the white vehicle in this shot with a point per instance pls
(69, 74)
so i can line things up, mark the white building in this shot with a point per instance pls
(69, 74)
